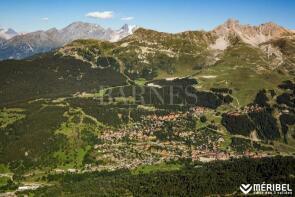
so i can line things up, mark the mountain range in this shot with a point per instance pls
(15, 45)
(143, 53)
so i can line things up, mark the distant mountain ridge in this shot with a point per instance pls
(18, 46)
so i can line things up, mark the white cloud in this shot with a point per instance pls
(127, 18)
(101, 15)
(45, 19)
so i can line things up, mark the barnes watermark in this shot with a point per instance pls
(145, 95)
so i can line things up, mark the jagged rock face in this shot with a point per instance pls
(123, 32)
(253, 35)
(21, 46)
(269, 40)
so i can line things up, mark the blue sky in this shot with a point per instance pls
(161, 15)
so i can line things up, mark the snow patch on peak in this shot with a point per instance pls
(132, 28)
(124, 31)
(128, 28)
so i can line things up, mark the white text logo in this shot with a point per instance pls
(265, 188)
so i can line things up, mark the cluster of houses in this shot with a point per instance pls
(247, 109)
(138, 144)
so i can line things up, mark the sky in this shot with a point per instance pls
(161, 15)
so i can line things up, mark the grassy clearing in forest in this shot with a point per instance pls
(10, 116)
(162, 167)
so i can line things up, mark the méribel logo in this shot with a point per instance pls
(246, 188)
(267, 188)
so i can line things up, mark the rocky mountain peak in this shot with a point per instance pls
(128, 28)
(124, 31)
(253, 35)
(125, 27)
(273, 29)
(7, 34)
(231, 23)
(82, 25)
(11, 31)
